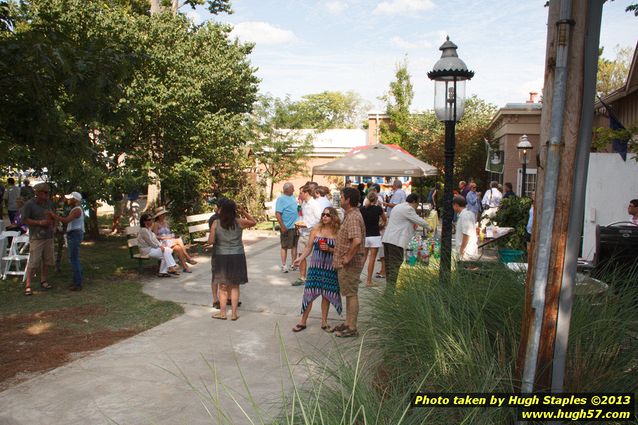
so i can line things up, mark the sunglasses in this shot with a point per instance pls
(325, 214)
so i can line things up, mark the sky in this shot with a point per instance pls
(309, 46)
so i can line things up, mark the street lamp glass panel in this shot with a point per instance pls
(446, 93)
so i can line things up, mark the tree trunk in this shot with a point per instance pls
(175, 7)
(153, 194)
(155, 7)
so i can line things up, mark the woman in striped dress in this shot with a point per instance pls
(321, 278)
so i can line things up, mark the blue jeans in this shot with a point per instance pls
(74, 239)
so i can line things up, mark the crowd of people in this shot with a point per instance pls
(329, 246)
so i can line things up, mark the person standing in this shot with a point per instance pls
(397, 235)
(74, 235)
(467, 187)
(492, 199)
(37, 215)
(26, 192)
(632, 210)
(473, 201)
(508, 191)
(462, 186)
(465, 237)
(10, 198)
(321, 196)
(286, 213)
(398, 196)
(322, 277)
(230, 258)
(349, 259)
(374, 218)
(311, 213)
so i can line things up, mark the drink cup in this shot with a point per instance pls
(323, 244)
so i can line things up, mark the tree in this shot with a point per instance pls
(99, 95)
(471, 132)
(612, 74)
(214, 6)
(398, 100)
(281, 152)
(329, 109)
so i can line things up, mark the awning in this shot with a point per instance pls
(376, 160)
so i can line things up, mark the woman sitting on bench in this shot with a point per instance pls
(168, 239)
(151, 246)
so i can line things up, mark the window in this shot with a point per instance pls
(530, 182)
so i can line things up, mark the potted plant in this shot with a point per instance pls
(513, 212)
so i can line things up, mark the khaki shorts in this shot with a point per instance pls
(349, 280)
(289, 239)
(302, 243)
(41, 250)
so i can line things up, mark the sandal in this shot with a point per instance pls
(326, 328)
(348, 333)
(298, 328)
(45, 285)
(191, 261)
(28, 292)
(163, 275)
(339, 328)
(187, 271)
(219, 316)
(379, 276)
(234, 318)
(174, 272)
(216, 304)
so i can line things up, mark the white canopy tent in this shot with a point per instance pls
(376, 160)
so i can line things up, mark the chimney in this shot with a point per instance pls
(532, 97)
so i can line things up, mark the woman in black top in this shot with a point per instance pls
(373, 215)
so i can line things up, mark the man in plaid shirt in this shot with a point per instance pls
(349, 258)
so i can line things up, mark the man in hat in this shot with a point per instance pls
(38, 215)
(26, 192)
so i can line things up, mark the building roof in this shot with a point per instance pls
(334, 142)
(631, 84)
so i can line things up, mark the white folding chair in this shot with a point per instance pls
(15, 258)
(5, 245)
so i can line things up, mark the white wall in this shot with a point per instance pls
(611, 184)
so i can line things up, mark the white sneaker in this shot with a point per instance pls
(284, 269)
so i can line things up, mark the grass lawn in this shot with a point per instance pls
(47, 329)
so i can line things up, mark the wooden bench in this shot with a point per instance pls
(271, 215)
(133, 247)
(198, 224)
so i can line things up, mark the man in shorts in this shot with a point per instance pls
(349, 258)
(38, 215)
(286, 213)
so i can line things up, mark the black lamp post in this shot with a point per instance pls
(449, 75)
(523, 147)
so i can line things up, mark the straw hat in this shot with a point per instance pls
(160, 211)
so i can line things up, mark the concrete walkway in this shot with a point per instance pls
(163, 375)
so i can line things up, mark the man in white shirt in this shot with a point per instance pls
(398, 233)
(311, 214)
(398, 196)
(466, 238)
(491, 200)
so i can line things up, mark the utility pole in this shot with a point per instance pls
(566, 97)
